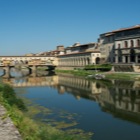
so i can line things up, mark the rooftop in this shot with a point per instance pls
(94, 51)
(121, 29)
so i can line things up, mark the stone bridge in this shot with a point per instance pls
(31, 68)
(30, 62)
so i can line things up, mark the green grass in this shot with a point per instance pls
(108, 75)
(123, 76)
(76, 72)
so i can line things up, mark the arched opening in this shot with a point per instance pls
(13, 62)
(88, 61)
(82, 61)
(132, 55)
(26, 62)
(97, 60)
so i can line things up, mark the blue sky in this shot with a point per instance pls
(32, 26)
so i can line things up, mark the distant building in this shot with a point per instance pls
(30, 54)
(79, 48)
(121, 46)
(59, 50)
(79, 56)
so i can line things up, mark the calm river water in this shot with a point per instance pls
(109, 109)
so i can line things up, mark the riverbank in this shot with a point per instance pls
(24, 127)
(108, 75)
(8, 131)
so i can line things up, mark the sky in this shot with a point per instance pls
(34, 26)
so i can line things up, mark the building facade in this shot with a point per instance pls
(121, 46)
(107, 46)
(127, 45)
(78, 56)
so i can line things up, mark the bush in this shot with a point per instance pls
(10, 98)
(101, 67)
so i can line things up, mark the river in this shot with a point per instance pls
(108, 108)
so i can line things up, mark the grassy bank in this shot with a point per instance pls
(75, 72)
(108, 75)
(29, 129)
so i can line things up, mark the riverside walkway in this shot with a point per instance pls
(7, 129)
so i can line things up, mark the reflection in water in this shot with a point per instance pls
(121, 99)
(22, 78)
(16, 72)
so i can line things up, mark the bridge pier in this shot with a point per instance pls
(33, 70)
(6, 72)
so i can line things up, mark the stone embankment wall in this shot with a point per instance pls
(126, 68)
(7, 129)
(136, 68)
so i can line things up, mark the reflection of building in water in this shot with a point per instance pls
(72, 82)
(122, 100)
(79, 87)
(128, 98)
(32, 81)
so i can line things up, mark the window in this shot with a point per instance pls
(125, 44)
(108, 38)
(138, 43)
(119, 46)
(132, 43)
